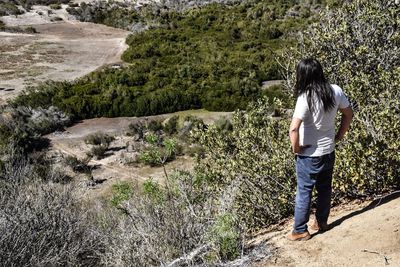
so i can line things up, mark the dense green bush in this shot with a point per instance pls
(255, 161)
(214, 57)
(359, 49)
(226, 236)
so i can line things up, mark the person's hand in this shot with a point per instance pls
(301, 149)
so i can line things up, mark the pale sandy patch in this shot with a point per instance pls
(62, 50)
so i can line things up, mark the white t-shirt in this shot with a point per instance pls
(318, 129)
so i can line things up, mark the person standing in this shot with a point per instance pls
(313, 137)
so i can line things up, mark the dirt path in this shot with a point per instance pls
(362, 235)
(114, 167)
(122, 173)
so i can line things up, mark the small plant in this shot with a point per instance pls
(151, 156)
(156, 156)
(152, 139)
(153, 190)
(30, 29)
(171, 126)
(99, 139)
(154, 125)
(121, 192)
(55, 6)
(190, 122)
(98, 151)
(77, 165)
(136, 129)
(225, 235)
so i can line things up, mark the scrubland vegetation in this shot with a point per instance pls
(244, 179)
(215, 58)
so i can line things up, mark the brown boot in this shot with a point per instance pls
(299, 236)
(319, 226)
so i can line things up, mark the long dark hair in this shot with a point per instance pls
(310, 79)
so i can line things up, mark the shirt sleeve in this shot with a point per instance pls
(343, 101)
(301, 108)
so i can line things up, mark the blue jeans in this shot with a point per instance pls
(313, 171)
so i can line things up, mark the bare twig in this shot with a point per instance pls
(384, 196)
(378, 253)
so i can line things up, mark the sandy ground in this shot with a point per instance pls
(62, 50)
(117, 165)
(366, 234)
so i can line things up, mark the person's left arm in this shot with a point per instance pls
(294, 135)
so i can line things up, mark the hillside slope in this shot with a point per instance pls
(361, 235)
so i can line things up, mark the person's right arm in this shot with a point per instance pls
(347, 116)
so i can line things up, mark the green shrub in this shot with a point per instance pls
(151, 156)
(359, 55)
(23, 127)
(162, 223)
(98, 151)
(154, 125)
(30, 29)
(223, 124)
(156, 155)
(9, 9)
(71, 4)
(136, 129)
(55, 6)
(226, 237)
(77, 165)
(99, 139)
(254, 159)
(209, 59)
(152, 139)
(153, 190)
(171, 126)
(121, 191)
(278, 92)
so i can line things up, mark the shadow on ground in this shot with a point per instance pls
(372, 205)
